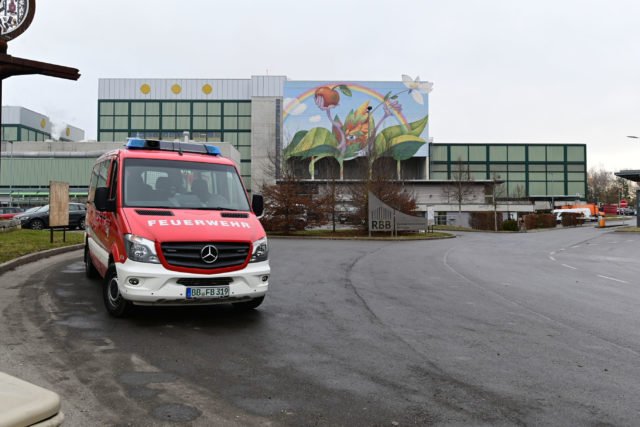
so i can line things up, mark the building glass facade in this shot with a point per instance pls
(529, 170)
(22, 133)
(206, 121)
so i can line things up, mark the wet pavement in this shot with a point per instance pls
(484, 329)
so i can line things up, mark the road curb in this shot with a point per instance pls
(25, 259)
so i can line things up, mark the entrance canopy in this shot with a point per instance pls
(631, 175)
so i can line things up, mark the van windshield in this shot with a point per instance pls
(182, 185)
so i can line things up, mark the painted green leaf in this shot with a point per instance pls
(352, 152)
(401, 147)
(317, 141)
(345, 89)
(405, 146)
(387, 134)
(386, 97)
(294, 143)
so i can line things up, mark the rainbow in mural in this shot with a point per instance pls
(346, 120)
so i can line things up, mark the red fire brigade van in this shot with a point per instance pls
(169, 223)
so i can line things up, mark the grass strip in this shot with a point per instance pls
(16, 243)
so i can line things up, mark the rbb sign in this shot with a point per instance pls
(381, 225)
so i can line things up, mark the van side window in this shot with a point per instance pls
(113, 181)
(93, 183)
(102, 174)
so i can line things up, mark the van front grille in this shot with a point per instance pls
(190, 254)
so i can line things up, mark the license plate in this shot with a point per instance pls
(214, 292)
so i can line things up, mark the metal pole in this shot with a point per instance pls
(11, 176)
(638, 208)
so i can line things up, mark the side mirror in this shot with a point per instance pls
(257, 204)
(102, 202)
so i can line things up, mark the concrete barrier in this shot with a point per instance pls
(26, 404)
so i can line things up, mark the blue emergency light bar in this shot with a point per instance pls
(182, 147)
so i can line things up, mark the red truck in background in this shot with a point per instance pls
(610, 209)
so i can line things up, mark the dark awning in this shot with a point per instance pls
(631, 175)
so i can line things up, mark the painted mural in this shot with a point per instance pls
(346, 120)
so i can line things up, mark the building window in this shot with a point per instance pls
(477, 153)
(439, 153)
(516, 153)
(575, 154)
(537, 153)
(497, 153)
(555, 153)
(459, 153)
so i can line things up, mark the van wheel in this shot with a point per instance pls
(81, 225)
(114, 302)
(248, 305)
(89, 269)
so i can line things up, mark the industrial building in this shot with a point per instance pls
(325, 131)
(22, 124)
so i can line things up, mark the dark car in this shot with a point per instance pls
(38, 218)
(8, 212)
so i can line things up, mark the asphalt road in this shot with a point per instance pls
(485, 329)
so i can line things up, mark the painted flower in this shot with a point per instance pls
(417, 88)
(391, 106)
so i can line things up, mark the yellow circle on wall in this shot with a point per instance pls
(43, 123)
(145, 89)
(68, 131)
(207, 89)
(176, 89)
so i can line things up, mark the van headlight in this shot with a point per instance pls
(140, 249)
(260, 250)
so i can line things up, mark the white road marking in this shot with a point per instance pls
(552, 258)
(576, 246)
(568, 266)
(612, 278)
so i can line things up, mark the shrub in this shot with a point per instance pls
(485, 220)
(510, 225)
(532, 221)
(571, 219)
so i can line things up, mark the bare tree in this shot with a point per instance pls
(458, 189)
(377, 175)
(286, 200)
(599, 183)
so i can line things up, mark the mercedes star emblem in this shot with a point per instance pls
(209, 254)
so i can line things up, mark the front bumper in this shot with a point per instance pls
(158, 286)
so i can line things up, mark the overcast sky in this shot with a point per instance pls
(565, 71)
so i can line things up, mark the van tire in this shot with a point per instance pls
(89, 269)
(114, 302)
(248, 305)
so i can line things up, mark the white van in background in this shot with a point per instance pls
(585, 212)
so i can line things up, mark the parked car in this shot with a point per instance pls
(626, 211)
(349, 215)
(8, 212)
(38, 218)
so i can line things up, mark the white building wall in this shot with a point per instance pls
(190, 89)
(22, 116)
